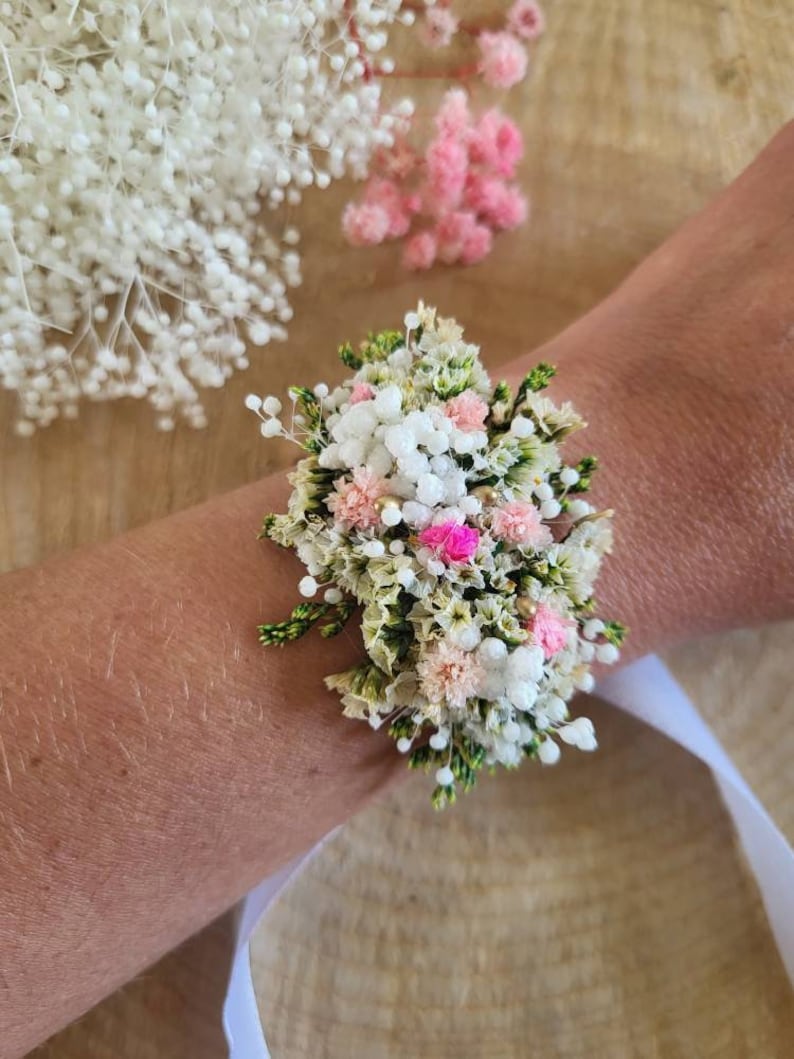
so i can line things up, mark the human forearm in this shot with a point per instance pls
(157, 761)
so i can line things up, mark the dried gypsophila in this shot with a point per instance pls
(138, 142)
(441, 506)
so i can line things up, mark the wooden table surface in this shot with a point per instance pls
(635, 113)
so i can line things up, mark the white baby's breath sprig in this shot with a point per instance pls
(442, 507)
(141, 147)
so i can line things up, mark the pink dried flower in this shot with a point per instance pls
(451, 542)
(397, 206)
(497, 142)
(397, 161)
(438, 28)
(365, 223)
(353, 502)
(476, 245)
(510, 209)
(446, 164)
(467, 411)
(526, 19)
(482, 192)
(500, 204)
(452, 231)
(520, 523)
(362, 391)
(453, 117)
(549, 629)
(503, 59)
(420, 251)
(449, 674)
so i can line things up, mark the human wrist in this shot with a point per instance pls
(682, 460)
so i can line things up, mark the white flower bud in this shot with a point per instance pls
(569, 476)
(307, 586)
(579, 509)
(607, 653)
(445, 777)
(511, 731)
(429, 490)
(466, 637)
(549, 752)
(271, 428)
(569, 734)
(522, 427)
(592, 627)
(399, 440)
(586, 682)
(555, 708)
(373, 549)
(437, 443)
(492, 650)
(416, 514)
(388, 404)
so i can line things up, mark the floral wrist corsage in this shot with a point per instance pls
(442, 508)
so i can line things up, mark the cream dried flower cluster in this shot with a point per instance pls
(138, 142)
(443, 508)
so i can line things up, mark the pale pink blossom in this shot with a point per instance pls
(549, 629)
(467, 411)
(451, 542)
(397, 161)
(526, 19)
(364, 223)
(446, 163)
(397, 206)
(439, 26)
(452, 231)
(496, 141)
(476, 245)
(362, 391)
(420, 251)
(353, 502)
(482, 192)
(500, 205)
(519, 523)
(453, 117)
(509, 210)
(503, 59)
(449, 674)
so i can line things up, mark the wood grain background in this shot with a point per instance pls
(636, 111)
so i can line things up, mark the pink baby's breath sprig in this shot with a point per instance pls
(441, 508)
(448, 198)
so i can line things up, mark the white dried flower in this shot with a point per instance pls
(139, 142)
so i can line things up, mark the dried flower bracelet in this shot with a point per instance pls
(441, 507)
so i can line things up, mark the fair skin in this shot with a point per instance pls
(155, 763)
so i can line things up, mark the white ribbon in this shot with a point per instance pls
(645, 690)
